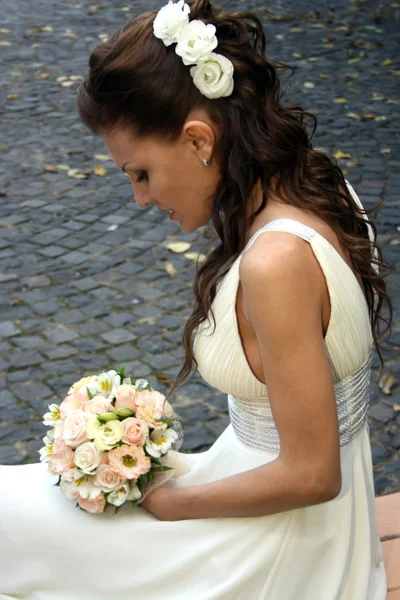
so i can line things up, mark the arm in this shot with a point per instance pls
(282, 294)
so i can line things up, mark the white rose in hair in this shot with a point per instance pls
(196, 42)
(170, 21)
(214, 77)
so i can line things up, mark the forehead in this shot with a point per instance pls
(124, 146)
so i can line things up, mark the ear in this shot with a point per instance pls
(201, 137)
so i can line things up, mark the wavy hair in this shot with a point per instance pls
(133, 82)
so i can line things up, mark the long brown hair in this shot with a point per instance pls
(136, 82)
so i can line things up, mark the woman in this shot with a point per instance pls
(282, 506)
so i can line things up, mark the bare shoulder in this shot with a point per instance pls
(278, 254)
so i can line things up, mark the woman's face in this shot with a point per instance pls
(171, 175)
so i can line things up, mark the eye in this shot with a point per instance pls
(142, 176)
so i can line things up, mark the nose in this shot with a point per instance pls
(142, 197)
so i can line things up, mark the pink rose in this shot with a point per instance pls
(97, 405)
(150, 408)
(75, 429)
(135, 431)
(62, 458)
(71, 403)
(129, 461)
(107, 479)
(93, 506)
(125, 397)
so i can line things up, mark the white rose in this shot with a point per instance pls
(196, 42)
(118, 496)
(160, 442)
(87, 458)
(74, 433)
(170, 21)
(214, 77)
(108, 435)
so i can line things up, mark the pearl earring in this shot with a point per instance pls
(207, 163)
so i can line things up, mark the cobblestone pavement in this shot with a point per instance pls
(83, 269)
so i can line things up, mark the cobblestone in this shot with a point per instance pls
(82, 268)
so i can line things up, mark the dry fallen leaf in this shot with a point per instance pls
(179, 247)
(67, 83)
(102, 157)
(309, 84)
(386, 62)
(50, 169)
(396, 407)
(63, 167)
(369, 116)
(196, 256)
(386, 382)
(340, 154)
(169, 267)
(386, 151)
(324, 76)
(340, 100)
(13, 96)
(76, 174)
(99, 170)
(353, 116)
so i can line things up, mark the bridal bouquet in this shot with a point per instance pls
(109, 440)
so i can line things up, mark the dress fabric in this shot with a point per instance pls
(51, 550)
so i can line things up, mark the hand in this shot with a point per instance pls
(165, 503)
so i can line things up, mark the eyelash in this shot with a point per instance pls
(141, 177)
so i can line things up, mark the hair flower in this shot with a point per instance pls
(196, 42)
(170, 21)
(214, 77)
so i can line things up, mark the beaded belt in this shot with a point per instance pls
(255, 427)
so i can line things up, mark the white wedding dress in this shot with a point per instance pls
(51, 550)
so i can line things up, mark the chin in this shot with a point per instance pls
(190, 227)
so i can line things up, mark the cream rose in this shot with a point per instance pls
(196, 42)
(62, 458)
(108, 435)
(74, 433)
(126, 397)
(97, 405)
(214, 77)
(72, 403)
(107, 479)
(170, 21)
(87, 457)
(135, 431)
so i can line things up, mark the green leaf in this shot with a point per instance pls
(89, 393)
(159, 469)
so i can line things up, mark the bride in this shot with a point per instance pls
(285, 320)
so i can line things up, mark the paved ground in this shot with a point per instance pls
(83, 270)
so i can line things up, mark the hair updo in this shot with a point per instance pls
(138, 83)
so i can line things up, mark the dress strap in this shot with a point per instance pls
(284, 224)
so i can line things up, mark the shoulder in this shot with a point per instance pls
(277, 254)
(281, 276)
